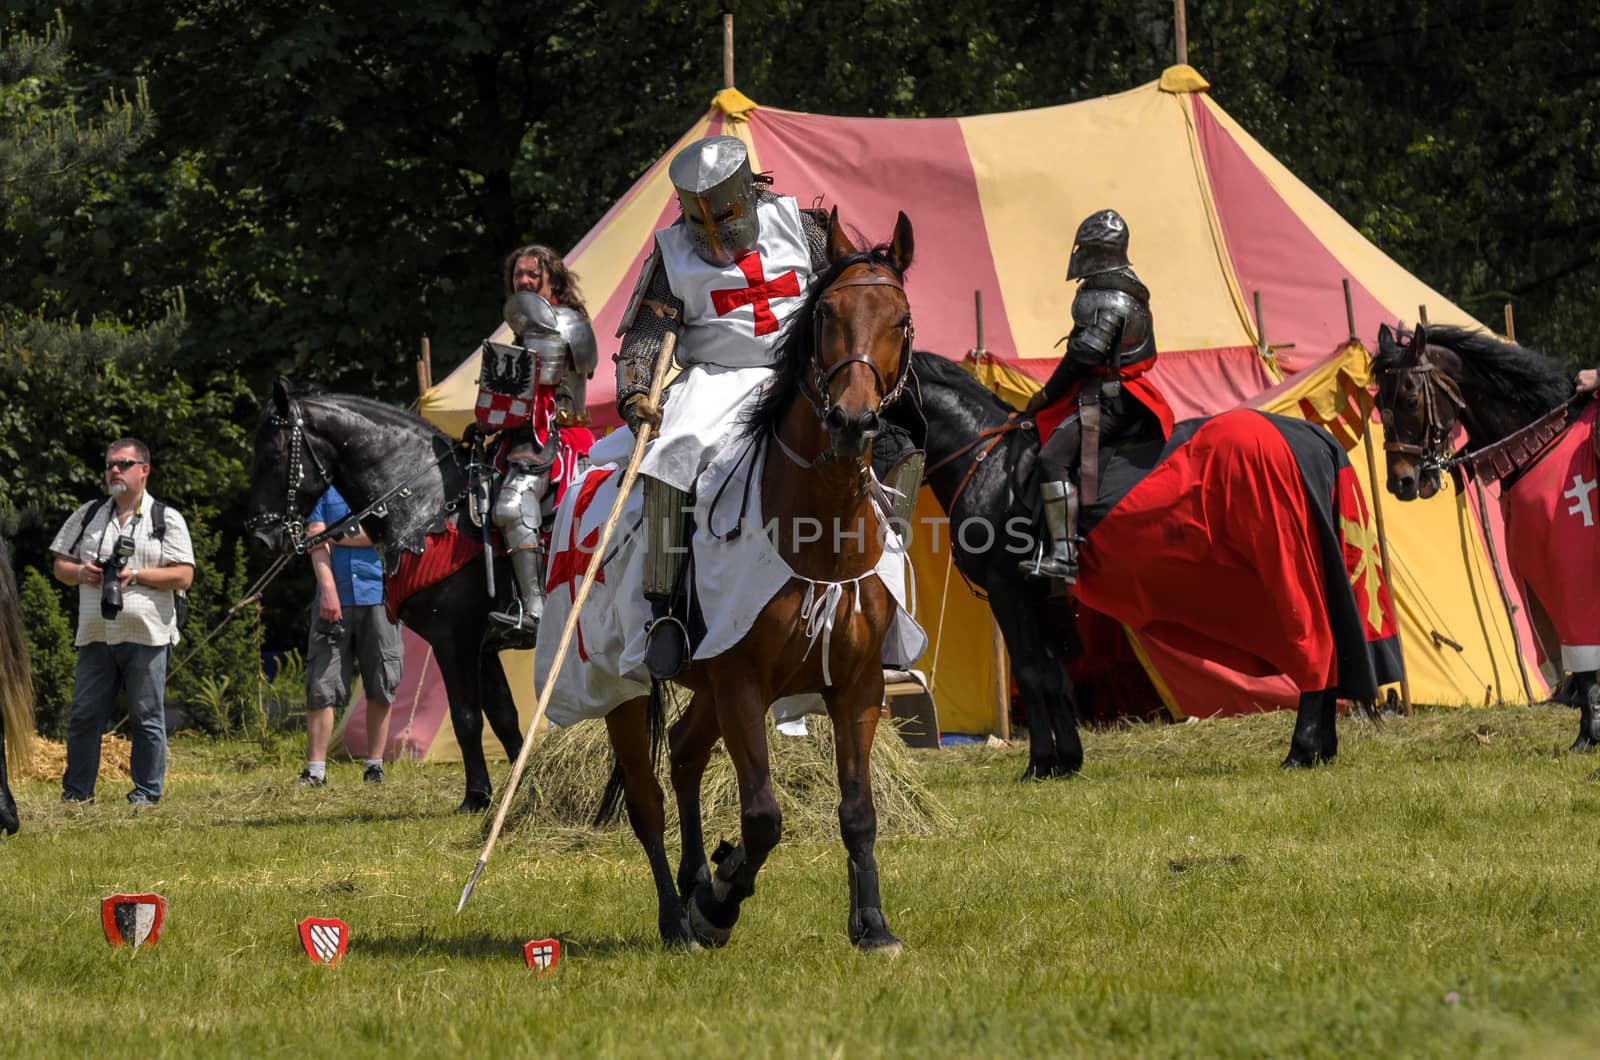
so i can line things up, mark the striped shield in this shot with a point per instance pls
(324, 939)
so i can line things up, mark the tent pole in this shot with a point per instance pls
(1002, 682)
(1365, 402)
(727, 49)
(1511, 324)
(424, 368)
(1180, 32)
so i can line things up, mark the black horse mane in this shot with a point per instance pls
(371, 408)
(1525, 376)
(795, 345)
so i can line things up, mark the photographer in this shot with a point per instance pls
(130, 556)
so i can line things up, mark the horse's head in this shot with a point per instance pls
(289, 473)
(1419, 399)
(861, 337)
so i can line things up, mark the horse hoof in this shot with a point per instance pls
(1065, 770)
(676, 935)
(703, 931)
(1582, 745)
(1038, 769)
(887, 946)
(1297, 763)
(475, 802)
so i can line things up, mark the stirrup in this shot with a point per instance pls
(666, 653)
(1042, 565)
(519, 620)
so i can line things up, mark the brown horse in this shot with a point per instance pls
(1526, 428)
(16, 692)
(847, 355)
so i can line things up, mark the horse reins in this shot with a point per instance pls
(821, 378)
(993, 436)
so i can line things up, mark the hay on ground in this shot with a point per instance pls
(568, 768)
(49, 759)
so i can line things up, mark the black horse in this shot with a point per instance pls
(1515, 406)
(16, 691)
(1293, 583)
(404, 480)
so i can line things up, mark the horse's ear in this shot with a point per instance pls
(1385, 337)
(839, 245)
(1419, 340)
(903, 246)
(280, 395)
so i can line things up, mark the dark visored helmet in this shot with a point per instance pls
(717, 193)
(1101, 245)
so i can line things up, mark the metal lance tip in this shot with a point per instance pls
(466, 892)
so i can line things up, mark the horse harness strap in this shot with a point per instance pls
(992, 436)
(1437, 387)
(821, 379)
(1521, 448)
(1089, 461)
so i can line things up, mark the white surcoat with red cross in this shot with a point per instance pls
(733, 316)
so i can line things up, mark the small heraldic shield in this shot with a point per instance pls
(324, 938)
(542, 955)
(133, 919)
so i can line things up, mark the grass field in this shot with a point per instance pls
(1433, 893)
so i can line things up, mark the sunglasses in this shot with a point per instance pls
(122, 465)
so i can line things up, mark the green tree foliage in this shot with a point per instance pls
(216, 648)
(50, 633)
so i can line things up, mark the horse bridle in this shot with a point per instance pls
(820, 401)
(289, 518)
(1435, 450)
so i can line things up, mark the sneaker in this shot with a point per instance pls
(308, 781)
(136, 799)
(373, 775)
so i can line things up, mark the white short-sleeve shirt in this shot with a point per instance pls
(149, 616)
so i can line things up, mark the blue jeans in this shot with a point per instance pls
(140, 670)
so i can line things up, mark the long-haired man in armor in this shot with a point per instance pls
(1099, 393)
(532, 392)
(724, 278)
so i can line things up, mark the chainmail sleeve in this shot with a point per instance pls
(814, 223)
(657, 316)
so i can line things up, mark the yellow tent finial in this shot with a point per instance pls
(1183, 78)
(734, 105)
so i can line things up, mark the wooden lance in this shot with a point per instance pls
(658, 382)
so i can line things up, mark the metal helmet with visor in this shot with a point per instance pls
(1101, 245)
(717, 194)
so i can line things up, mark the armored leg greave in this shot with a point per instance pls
(517, 514)
(665, 542)
(1061, 518)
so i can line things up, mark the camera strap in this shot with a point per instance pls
(158, 521)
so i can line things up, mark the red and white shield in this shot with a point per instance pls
(542, 955)
(496, 411)
(324, 938)
(133, 919)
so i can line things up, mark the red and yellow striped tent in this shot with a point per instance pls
(1216, 222)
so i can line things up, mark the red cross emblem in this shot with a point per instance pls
(758, 296)
(569, 564)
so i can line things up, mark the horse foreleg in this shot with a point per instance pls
(855, 711)
(690, 741)
(499, 706)
(1315, 738)
(1054, 749)
(1586, 694)
(741, 716)
(461, 686)
(629, 729)
(8, 807)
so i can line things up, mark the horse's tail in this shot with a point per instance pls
(656, 713)
(16, 675)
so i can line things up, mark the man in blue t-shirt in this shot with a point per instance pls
(349, 627)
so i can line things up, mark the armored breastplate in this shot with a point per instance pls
(1111, 313)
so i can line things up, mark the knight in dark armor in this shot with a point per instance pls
(724, 279)
(529, 390)
(1099, 393)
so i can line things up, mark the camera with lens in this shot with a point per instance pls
(110, 581)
